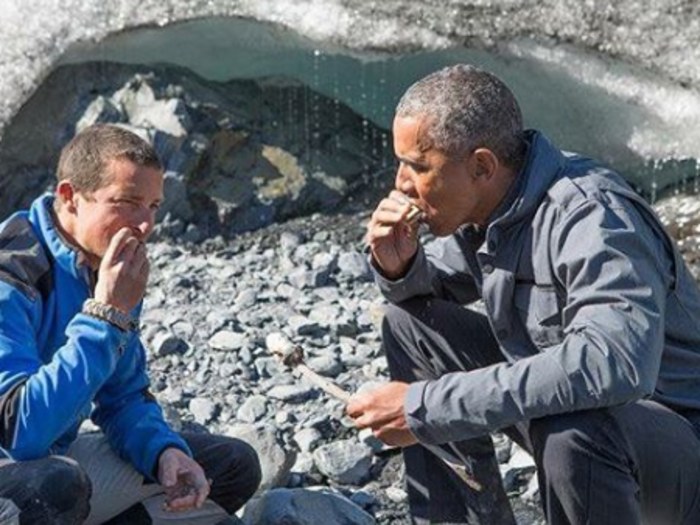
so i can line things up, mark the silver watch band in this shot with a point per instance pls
(109, 313)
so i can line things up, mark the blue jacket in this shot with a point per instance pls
(587, 295)
(59, 366)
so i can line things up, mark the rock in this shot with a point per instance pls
(346, 461)
(304, 507)
(291, 393)
(203, 410)
(166, 343)
(228, 341)
(307, 439)
(253, 409)
(246, 299)
(275, 460)
(328, 366)
(302, 325)
(290, 241)
(396, 494)
(355, 265)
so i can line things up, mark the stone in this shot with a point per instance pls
(166, 343)
(275, 460)
(291, 393)
(345, 461)
(355, 265)
(203, 410)
(328, 366)
(307, 439)
(228, 341)
(304, 507)
(253, 409)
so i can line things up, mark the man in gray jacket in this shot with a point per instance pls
(589, 352)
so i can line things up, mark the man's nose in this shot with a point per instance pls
(144, 226)
(403, 182)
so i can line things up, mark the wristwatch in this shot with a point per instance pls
(109, 313)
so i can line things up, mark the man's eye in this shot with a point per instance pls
(127, 203)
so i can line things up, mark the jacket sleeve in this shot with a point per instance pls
(616, 272)
(41, 400)
(437, 270)
(131, 418)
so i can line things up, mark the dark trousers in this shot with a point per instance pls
(625, 465)
(57, 490)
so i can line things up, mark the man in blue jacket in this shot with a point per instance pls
(73, 270)
(588, 353)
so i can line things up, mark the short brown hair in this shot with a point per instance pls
(85, 158)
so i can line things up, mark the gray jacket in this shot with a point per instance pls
(585, 292)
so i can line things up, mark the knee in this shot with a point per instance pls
(239, 475)
(564, 444)
(400, 321)
(68, 489)
(53, 490)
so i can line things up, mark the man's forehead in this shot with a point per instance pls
(414, 129)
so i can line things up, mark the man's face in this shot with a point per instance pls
(447, 190)
(131, 199)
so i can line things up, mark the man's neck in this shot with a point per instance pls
(64, 226)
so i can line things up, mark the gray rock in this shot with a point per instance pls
(355, 265)
(166, 343)
(203, 410)
(228, 341)
(275, 461)
(304, 507)
(291, 393)
(290, 241)
(301, 278)
(324, 262)
(346, 461)
(246, 299)
(253, 409)
(301, 325)
(268, 366)
(328, 366)
(307, 439)
(100, 110)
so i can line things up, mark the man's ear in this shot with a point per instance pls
(486, 162)
(66, 194)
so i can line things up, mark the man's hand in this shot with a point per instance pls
(391, 239)
(186, 486)
(123, 272)
(382, 411)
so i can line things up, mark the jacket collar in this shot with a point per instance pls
(542, 165)
(65, 255)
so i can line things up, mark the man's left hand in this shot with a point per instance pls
(382, 410)
(186, 486)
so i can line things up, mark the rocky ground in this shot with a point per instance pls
(239, 255)
(205, 321)
(208, 312)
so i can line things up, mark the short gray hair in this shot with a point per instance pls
(84, 160)
(467, 108)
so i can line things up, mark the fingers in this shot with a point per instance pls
(115, 246)
(168, 477)
(181, 502)
(191, 491)
(203, 488)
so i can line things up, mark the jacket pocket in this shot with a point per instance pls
(539, 309)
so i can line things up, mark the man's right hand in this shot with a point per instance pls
(123, 272)
(392, 241)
